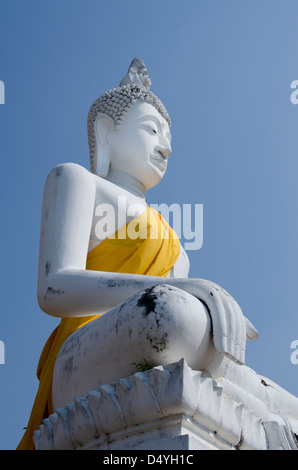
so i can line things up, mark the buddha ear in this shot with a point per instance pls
(103, 126)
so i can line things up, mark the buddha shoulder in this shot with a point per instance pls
(69, 170)
(69, 177)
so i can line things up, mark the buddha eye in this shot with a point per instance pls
(151, 128)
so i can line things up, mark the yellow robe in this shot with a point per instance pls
(147, 245)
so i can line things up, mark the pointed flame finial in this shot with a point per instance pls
(137, 74)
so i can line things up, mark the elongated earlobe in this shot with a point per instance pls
(103, 126)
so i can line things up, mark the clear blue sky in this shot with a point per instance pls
(223, 68)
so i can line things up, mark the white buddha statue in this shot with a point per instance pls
(125, 300)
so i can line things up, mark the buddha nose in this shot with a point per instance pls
(164, 150)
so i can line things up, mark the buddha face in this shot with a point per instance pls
(141, 145)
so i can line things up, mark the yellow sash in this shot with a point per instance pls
(146, 245)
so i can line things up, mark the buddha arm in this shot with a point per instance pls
(65, 287)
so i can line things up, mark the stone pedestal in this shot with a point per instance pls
(166, 408)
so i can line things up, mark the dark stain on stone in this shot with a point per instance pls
(68, 367)
(112, 283)
(72, 345)
(148, 300)
(50, 290)
(159, 343)
(48, 268)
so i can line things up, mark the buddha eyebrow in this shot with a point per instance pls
(151, 117)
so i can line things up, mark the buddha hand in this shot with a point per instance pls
(230, 327)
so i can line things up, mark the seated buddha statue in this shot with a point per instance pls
(123, 292)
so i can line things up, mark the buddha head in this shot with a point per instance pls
(129, 129)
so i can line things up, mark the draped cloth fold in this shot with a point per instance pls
(146, 245)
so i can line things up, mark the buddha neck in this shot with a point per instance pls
(127, 182)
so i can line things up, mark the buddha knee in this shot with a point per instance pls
(174, 325)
